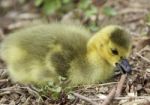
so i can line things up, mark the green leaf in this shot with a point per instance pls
(148, 18)
(91, 11)
(57, 89)
(109, 11)
(51, 5)
(38, 2)
(93, 27)
(71, 97)
(66, 1)
(55, 96)
(50, 83)
(84, 4)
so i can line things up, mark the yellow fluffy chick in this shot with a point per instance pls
(47, 52)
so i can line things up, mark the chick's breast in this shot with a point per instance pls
(45, 52)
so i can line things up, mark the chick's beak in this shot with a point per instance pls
(124, 65)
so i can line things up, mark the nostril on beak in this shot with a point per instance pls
(121, 58)
(116, 64)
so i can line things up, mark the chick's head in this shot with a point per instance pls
(112, 43)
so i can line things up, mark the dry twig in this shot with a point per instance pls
(120, 85)
(115, 92)
(124, 98)
(104, 84)
(145, 59)
(132, 10)
(85, 98)
(33, 92)
(5, 93)
(4, 80)
(110, 96)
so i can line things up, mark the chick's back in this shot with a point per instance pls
(43, 52)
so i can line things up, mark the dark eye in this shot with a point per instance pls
(114, 51)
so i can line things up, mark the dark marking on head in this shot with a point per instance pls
(121, 37)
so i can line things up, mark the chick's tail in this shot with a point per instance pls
(11, 54)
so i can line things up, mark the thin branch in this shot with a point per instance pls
(144, 49)
(124, 98)
(132, 10)
(27, 101)
(10, 90)
(120, 85)
(109, 83)
(5, 93)
(4, 80)
(115, 91)
(33, 92)
(92, 85)
(13, 88)
(147, 60)
(135, 97)
(85, 98)
(75, 101)
(110, 96)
